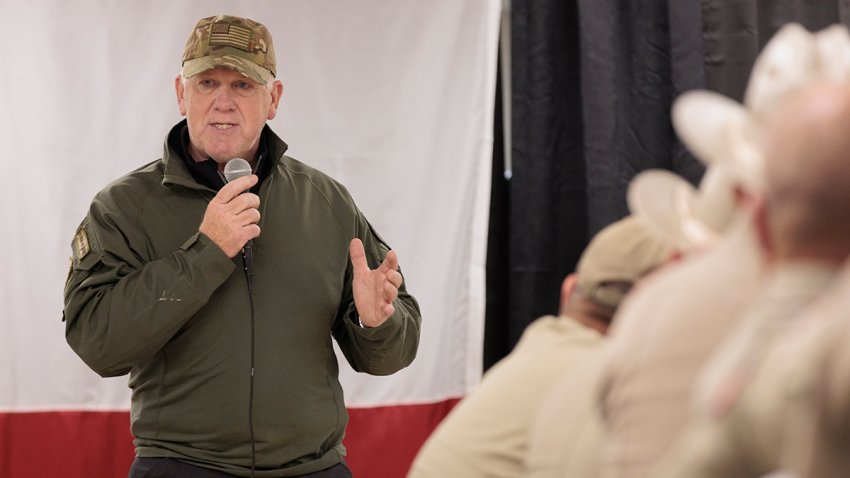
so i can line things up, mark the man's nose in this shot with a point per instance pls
(223, 99)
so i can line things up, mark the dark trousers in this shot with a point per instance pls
(171, 468)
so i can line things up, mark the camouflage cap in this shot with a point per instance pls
(619, 255)
(237, 43)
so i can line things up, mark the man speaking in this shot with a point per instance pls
(219, 296)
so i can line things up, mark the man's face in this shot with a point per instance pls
(226, 112)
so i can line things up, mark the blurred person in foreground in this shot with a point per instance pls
(486, 434)
(666, 332)
(659, 339)
(650, 383)
(566, 437)
(808, 368)
(803, 223)
(232, 374)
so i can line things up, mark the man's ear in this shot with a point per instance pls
(277, 93)
(567, 288)
(180, 91)
(745, 198)
(761, 220)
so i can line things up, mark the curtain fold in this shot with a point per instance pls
(547, 206)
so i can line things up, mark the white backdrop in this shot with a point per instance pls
(392, 97)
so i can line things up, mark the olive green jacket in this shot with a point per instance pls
(147, 294)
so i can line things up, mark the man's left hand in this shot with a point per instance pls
(374, 290)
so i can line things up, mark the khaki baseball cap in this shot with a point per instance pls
(622, 252)
(231, 42)
(788, 62)
(681, 214)
(721, 132)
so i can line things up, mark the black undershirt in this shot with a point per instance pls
(206, 172)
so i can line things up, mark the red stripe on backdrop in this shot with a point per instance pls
(68, 444)
(381, 441)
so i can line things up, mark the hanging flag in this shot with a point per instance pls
(393, 99)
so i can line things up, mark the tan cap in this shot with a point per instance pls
(622, 252)
(786, 63)
(833, 47)
(231, 42)
(720, 132)
(679, 213)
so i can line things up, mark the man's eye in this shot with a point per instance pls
(243, 85)
(207, 83)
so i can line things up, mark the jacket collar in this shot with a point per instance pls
(176, 171)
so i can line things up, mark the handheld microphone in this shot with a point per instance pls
(236, 168)
(233, 169)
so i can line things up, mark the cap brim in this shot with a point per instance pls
(702, 119)
(833, 47)
(719, 132)
(787, 62)
(716, 202)
(243, 66)
(664, 202)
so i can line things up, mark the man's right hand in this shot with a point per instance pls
(232, 216)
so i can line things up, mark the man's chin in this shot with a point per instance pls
(222, 158)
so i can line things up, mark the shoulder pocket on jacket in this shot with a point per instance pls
(85, 248)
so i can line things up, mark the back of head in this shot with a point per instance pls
(616, 258)
(807, 173)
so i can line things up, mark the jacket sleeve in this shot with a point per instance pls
(390, 347)
(122, 308)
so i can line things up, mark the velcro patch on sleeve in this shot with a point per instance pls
(85, 248)
(81, 244)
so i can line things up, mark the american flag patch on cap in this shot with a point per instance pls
(226, 34)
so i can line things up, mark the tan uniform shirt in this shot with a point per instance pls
(567, 435)
(486, 435)
(811, 369)
(730, 433)
(662, 336)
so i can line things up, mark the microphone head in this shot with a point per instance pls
(236, 168)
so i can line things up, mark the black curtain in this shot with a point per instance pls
(542, 223)
(734, 32)
(593, 82)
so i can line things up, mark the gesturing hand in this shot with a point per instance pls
(231, 217)
(374, 290)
